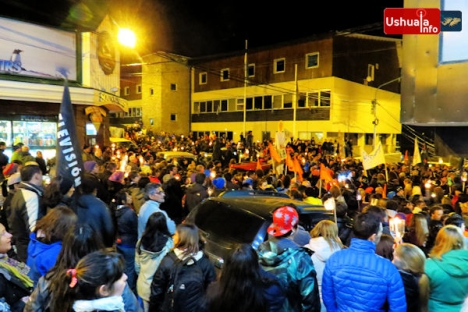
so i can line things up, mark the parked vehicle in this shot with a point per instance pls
(244, 193)
(225, 222)
(168, 155)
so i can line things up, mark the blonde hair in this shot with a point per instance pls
(448, 238)
(329, 231)
(411, 259)
(421, 230)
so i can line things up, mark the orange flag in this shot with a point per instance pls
(406, 159)
(325, 174)
(298, 168)
(384, 192)
(259, 167)
(274, 153)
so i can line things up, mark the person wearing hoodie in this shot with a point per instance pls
(153, 246)
(188, 253)
(196, 192)
(46, 241)
(324, 242)
(93, 211)
(291, 263)
(447, 271)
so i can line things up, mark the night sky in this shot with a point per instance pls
(205, 27)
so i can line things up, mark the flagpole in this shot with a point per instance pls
(245, 88)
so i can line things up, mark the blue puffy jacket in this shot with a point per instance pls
(357, 279)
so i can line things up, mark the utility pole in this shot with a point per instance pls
(375, 122)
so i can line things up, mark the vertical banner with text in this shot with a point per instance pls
(69, 159)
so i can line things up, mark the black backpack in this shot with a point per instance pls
(186, 286)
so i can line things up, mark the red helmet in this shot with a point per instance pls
(284, 220)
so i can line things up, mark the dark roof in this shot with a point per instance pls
(264, 206)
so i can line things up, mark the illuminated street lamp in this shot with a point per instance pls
(127, 37)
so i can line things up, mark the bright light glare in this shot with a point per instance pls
(127, 37)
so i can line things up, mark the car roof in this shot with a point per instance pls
(245, 193)
(264, 206)
(169, 154)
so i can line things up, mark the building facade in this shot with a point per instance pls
(324, 88)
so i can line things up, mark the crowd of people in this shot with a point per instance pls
(119, 242)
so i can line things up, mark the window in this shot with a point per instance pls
(319, 99)
(173, 117)
(325, 98)
(209, 106)
(173, 87)
(225, 74)
(251, 70)
(301, 100)
(224, 105)
(203, 78)
(279, 65)
(249, 104)
(138, 89)
(288, 99)
(312, 60)
(133, 112)
(267, 102)
(126, 90)
(258, 102)
(240, 104)
(151, 91)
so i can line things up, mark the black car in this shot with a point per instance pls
(225, 222)
(244, 193)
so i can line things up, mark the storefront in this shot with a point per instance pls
(32, 81)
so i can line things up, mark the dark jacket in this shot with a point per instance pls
(194, 195)
(410, 282)
(295, 270)
(127, 226)
(42, 164)
(161, 281)
(12, 290)
(26, 209)
(93, 211)
(273, 293)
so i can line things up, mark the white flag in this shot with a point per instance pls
(416, 154)
(375, 158)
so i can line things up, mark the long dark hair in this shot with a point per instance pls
(93, 270)
(241, 283)
(77, 243)
(156, 233)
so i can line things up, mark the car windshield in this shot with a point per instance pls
(235, 225)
